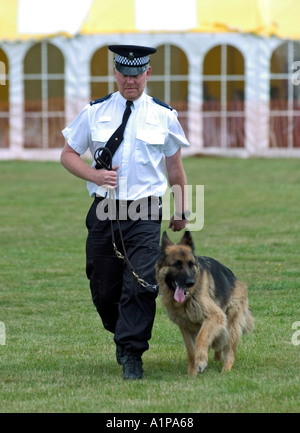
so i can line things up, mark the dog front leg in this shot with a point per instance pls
(189, 342)
(210, 329)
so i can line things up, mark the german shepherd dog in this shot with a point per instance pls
(206, 301)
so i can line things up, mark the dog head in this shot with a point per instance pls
(177, 266)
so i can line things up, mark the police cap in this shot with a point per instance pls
(131, 59)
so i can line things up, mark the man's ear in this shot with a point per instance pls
(148, 72)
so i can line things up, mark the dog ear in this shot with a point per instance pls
(187, 240)
(165, 241)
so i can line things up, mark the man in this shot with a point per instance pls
(152, 140)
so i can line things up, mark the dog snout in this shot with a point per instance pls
(190, 282)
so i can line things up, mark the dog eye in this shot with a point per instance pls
(177, 264)
(191, 264)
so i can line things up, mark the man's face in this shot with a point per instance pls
(131, 87)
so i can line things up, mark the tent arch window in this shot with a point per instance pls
(4, 101)
(284, 97)
(169, 80)
(223, 97)
(101, 72)
(44, 106)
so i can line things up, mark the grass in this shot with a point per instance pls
(57, 357)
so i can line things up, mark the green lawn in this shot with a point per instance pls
(57, 357)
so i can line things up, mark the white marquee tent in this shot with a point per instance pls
(230, 68)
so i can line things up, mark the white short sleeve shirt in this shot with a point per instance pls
(152, 132)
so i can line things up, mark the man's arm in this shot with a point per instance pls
(176, 175)
(72, 161)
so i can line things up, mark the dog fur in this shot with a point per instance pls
(206, 301)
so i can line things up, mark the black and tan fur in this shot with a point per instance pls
(211, 309)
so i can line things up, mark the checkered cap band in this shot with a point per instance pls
(137, 61)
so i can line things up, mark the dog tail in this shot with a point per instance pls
(249, 321)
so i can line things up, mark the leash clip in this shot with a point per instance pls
(144, 283)
(117, 252)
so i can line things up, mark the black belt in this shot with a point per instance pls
(128, 202)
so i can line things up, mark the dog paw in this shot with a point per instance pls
(228, 361)
(227, 367)
(201, 365)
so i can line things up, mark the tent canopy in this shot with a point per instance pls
(35, 19)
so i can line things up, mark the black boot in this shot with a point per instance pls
(132, 367)
(119, 354)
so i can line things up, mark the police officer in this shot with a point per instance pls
(151, 141)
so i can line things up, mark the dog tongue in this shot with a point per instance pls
(179, 295)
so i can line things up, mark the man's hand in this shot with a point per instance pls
(177, 224)
(74, 164)
(106, 178)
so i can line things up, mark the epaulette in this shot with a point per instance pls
(163, 104)
(96, 101)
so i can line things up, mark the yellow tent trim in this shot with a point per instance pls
(260, 17)
(8, 19)
(113, 16)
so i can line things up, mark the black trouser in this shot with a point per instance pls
(126, 308)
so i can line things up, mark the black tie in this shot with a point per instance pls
(114, 141)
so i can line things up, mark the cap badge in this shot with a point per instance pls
(130, 56)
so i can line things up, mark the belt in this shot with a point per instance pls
(151, 199)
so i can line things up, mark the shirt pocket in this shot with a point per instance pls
(101, 136)
(149, 146)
